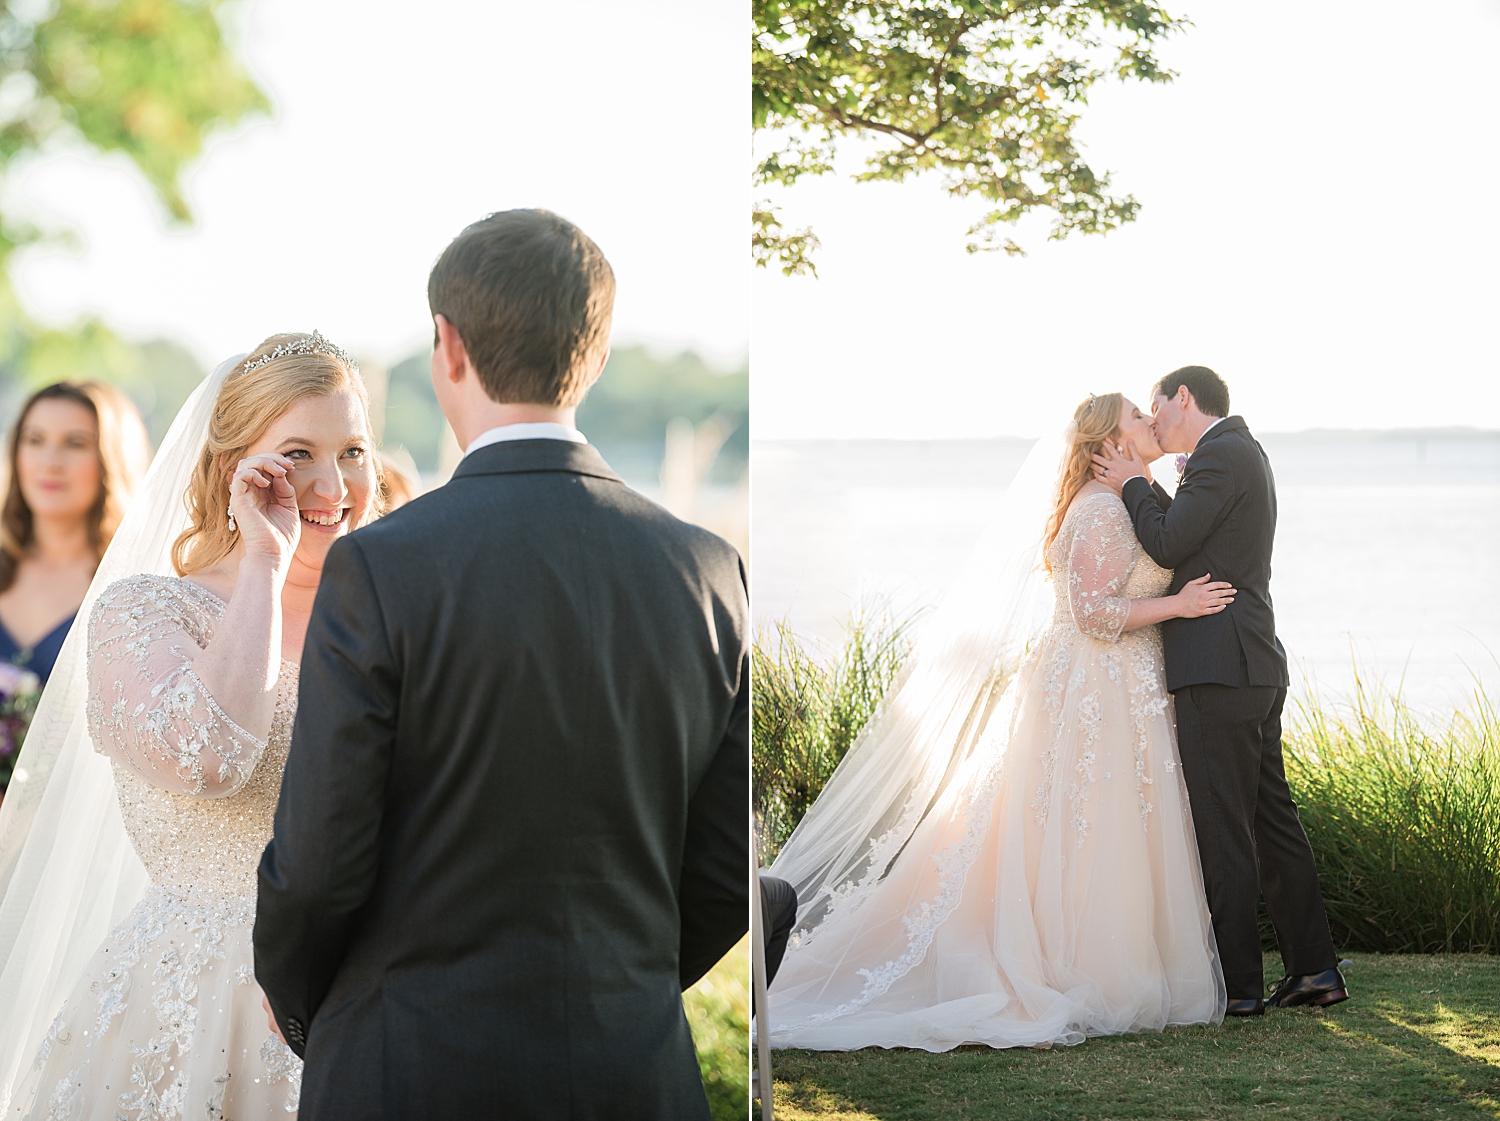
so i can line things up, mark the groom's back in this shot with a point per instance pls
(513, 820)
(566, 659)
(1237, 647)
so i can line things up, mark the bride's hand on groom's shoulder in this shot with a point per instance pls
(1203, 596)
(264, 504)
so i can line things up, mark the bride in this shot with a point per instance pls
(1006, 856)
(191, 686)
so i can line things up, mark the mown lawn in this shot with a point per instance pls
(1420, 1038)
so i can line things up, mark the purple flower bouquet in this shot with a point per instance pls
(19, 691)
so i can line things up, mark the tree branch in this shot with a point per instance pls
(866, 68)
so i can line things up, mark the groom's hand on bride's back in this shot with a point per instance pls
(265, 1002)
(1114, 467)
(1203, 596)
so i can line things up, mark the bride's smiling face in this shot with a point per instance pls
(1135, 427)
(328, 441)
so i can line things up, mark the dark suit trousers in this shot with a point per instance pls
(1250, 840)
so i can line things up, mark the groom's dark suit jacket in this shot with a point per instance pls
(513, 825)
(1221, 522)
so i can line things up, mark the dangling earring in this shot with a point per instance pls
(232, 527)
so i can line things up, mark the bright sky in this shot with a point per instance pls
(394, 127)
(1319, 225)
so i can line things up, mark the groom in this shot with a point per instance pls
(513, 824)
(1228, 675)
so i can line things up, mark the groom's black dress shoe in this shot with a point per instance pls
(1317, 989)
(1247, 1007)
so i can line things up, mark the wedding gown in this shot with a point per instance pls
(1053, 890)
(167, 1020)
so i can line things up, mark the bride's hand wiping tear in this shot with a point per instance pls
(263, 503)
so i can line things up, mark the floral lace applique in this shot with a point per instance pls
(1052, 698)
(146, 707)
(921, 922)
(1091, 717)
(850, 895)
(198, 797)
(114, 996)
(281, 1062)
(66, 1102)
(1102, 552)
(1148, 701)
(1110, 661)
(57, 1033)
(214, 1109)
(1052, 685)
(1043, 800)
(174, 991)
(198, 933)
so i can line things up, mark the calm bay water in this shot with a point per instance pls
(1388, 546)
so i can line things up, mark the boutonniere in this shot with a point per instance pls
(1181, 462)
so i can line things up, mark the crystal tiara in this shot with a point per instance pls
(314, 343)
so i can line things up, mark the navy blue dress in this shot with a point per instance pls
(43, 654)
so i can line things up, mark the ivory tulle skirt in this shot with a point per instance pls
(1052, 893)
(166, 1023)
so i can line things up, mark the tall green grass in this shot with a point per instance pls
(1402, 811)
(810, 704)
(1403, 814)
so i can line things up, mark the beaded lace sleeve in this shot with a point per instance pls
(147, 709)
(1100, 558)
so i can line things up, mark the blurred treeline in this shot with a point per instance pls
(627, 415)
(158, 375)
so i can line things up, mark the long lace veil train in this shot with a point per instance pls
(952, 686)
(68, 873)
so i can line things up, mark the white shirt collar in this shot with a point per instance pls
(1205, 432)
(534, 430)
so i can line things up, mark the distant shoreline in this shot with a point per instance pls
(1309, 435)
(1346, 457)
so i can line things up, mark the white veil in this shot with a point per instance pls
(953, 681)
(68, 874)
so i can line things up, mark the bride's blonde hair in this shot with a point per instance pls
(1094, 421)
(249, 400)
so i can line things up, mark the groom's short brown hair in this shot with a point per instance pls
(1208, 388)
(531, 297)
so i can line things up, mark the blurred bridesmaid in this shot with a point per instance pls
(77, 451)
(399, 480)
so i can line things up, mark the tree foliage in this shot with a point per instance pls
(148, 78)
(984, 93)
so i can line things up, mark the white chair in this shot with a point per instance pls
(761, 1085)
